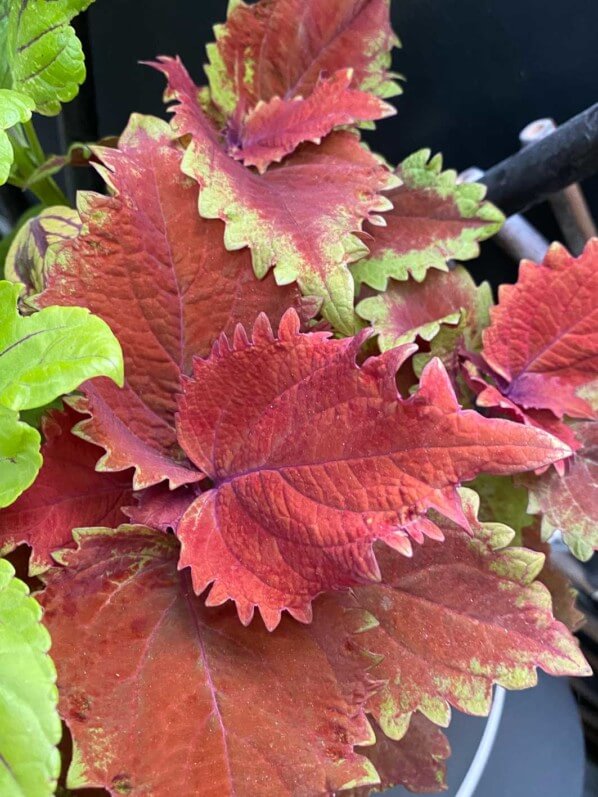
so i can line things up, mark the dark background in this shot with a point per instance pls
(477, 72)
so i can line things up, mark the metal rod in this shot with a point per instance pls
(569, 155)
(517, 237)
(569, 205)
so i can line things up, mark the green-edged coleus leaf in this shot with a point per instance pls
(20, 459)
(25, 259)
(51, 352)
(459, 617)
(274, 715)
(15, 107)
(280, 48)
(408, 310)
(29, 723)
(40, 54)
(433, 219)
(301, 217)
(569, 502)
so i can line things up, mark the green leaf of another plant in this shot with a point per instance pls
(20, 459)
(40, 54)
(51, 352)
(14, 108)
(29, 723)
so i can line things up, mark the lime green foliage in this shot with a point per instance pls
(14, 108)
(502, 502)
(40, 54)
(29, 723)
(435, 219)
(20, 459)
(6, 242)
(43, 356)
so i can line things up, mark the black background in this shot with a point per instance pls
(476, 72)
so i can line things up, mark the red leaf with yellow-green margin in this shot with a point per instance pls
(417, 761)
(67, 494)
(280, 48)
(301, 217)
(542, 344)
(173, 288)
(275, 715)
(275, 128)
(459, 617)
(407, 310)
(312, 458)
(25, 260)
(569, 502)
(433, 219)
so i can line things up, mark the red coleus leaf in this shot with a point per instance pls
(433, 219)
(459, 617)
(67, 494)
(280, 48)
(569, 502)
(276, 128)
(301, 216)
(275, 715)
(160, 276)
(312, 458)
(407, 310)
(542, 344)
(417, 761)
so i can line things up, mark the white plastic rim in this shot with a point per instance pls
(480, 759)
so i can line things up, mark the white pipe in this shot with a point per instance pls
(478, 765)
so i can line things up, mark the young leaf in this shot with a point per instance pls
(67, 494)
(407, 310)
(51, 352)
(29, 723)
(20, 459)
(569, 503)
(417, 761)
(300, 217)
(25, 260)
(173, 288)
(433, 219)
(313, 458)
(40, 54)
(280, 48)
(543, 340)
(15, 107)
(456, 619)
(255, 713)
(276, 128)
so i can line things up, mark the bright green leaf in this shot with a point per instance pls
(20, 459)
(51, 352)
(29, 723)
(14, 108)
(40, 54)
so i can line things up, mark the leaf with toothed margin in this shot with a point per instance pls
(40, 54)
(417, 761)
(502, 501)
(301, 217)
(25, 260)
(569, 502)
(276, 128)
(408, 310)
(280, 48)
(51, 352)
(312, 458)
(29, 723)
(67, 494)
(271, 714)
(542, 344)
(459, 617)
(173, 289)
(433, 219)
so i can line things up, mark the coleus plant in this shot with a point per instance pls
(308, 384)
